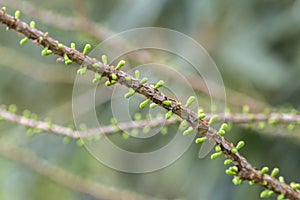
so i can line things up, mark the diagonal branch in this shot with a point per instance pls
(244, 170)
(99, 32)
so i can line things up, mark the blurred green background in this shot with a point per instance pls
(255, 44)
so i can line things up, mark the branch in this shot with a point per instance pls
(68, 132)
(242, 168)
(237, 118)
(63, 177)
(99, 32)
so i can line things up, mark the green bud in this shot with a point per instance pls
(46, 52)
(23, 41)
(213, 119)
(97, 77)
(95, 65)
(26, 113)
(200, 140)
(104, 59)
(127, 78)
(137, 74)
(190, 100)
(221, 132)
(183, 125)
(144, 103)
(12, 108)
(60, 46)
(120, 64)
(30, 132)
(113, 76)
(272, 121)
(112, 82)
(164, 130)
(159, 84)
(66, 140)
(234, 150)
(82, 71)
(229, 172)
(218, 148)
(234, 168)
(246, 109)
(261, 125)
(240, 145)
(291, 127)
(3, 9)
(68, 62)
(153, 105)
(34, 116)
(252, 183)
(216, 155)
(264, 194)
(80, 142)
(144, 80)
(227, 162)
(168, 114)
(280, 197)
(17, 14)
(237, 181)
(201, 114)
(134, 132)
(125, 136)
(281, 179)
(167, 103)
(275, 171)
(270, 193)
(32, 24)
(188, 131)
(86, 49)
(73, 45)
(146, 129)
(264, 170)
(108, 83)
(295, 186)
(224, 126)
(130, 93)
(137, 116)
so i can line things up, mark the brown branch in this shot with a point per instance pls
(282, 118)
(68, 132)
(244, 169)
(64, 177)
(99, 32)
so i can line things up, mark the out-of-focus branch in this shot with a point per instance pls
(68, 132)
(63, 177)
(237, 118)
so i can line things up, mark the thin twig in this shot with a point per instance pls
(63, 177)
(68, 132)
(244, 171)
(238, 118)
